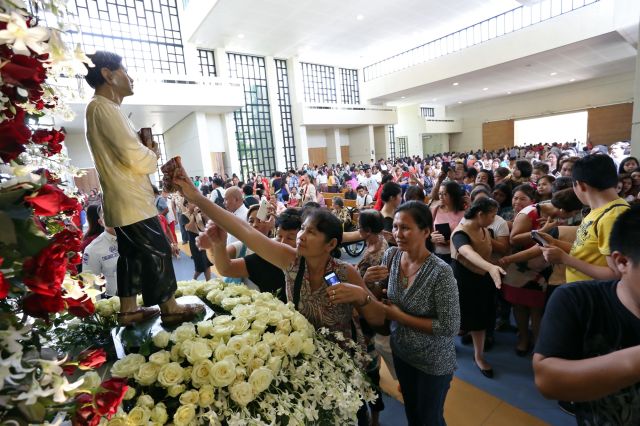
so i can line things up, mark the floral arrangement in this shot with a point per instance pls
(39, 218)
(257, 362)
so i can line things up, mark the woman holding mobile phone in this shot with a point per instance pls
(446, 216)
(425, 315)
(304, 266)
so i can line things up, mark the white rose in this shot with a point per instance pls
(308, 348)
(247, 312)
(261, 379)
(104, 308)
(175, 390)
(246, 354)
(221, 320)
(170, 374)
(139, 416)
(222, 331)
(129, 394)
(299, 322)
(189, 397)
(236, 343)
(184, 415)
(118, 421)
(147, 374)
(240, 325)
(259, 325)
(242, 393)
(222, 351)
(284, 326)
(198, 351)
(159, 414)
(274, 318)
(160, 358)
(280, 341)
(206, 396)
(186, 373)
(263, 350)
(241, 373)
(201, 372)
(186, 331)
(115, 303)
(145, 401)
(229, 303)
(269, 338)
(262, 315)
(127, 366)
(223, 373)
(294, 344)
(176, 353)
(252, 336)
(255, 364)
(91, 380)
(161, 339)
(205, 328)
(274, 363)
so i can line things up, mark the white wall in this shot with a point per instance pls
(411, 125)
(570, 97)
(361, 144)
(316, 138)
(380, 137)
(435, 144)
(78, 151)
(183, 140)
(216, 133)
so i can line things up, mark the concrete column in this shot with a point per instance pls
(334, 154)
(635, 126)
(274, 109)
(296, 92)
(203, 142)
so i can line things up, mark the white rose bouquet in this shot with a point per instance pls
(260, 362)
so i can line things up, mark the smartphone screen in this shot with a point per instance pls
(331, 279)
(538, 239)
(262, 211)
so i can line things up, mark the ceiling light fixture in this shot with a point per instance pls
(240, 35)
(508, 93)
(456, 83)
(572, 80)
(485, 88)
(553, 73)
(360, 17)
(434, 99)
(402, 97)
(459, 102)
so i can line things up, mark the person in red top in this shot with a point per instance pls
(386, 177)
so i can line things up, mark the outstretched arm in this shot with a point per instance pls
(280, 255)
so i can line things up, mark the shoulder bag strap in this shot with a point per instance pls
(595, 222)
(297, 284)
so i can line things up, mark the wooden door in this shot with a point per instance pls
(317, 156)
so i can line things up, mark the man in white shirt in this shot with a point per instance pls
(123, 164)
(363, 200)
(217, 189)
(100, 257)
(370, 182)
(233, 202)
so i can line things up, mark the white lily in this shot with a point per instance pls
(10, 338)
(22, 38)
(12, 370)
(35, 391)
(61, 386)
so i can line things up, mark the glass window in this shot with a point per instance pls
(349, 86)
(253, 121)
(392, 142)
(284, 102)
(319, 83)
(207, 62)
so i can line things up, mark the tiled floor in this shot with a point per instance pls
(510, 399)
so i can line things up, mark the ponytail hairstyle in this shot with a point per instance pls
(481, 205)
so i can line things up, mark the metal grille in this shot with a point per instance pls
(253, 121)
(427, 112)
(146, 33)
(284, 102)
(392, 142)
(349, 85)
(207, 62)
(402, 146)
(319, 83)
(159, 139)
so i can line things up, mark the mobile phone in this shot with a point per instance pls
(538, 239)
(331, 279)
(445, 166)
(444, 229)
(263, 211)
(146, 136)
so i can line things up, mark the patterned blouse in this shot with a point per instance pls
(372, 257)
(433, 294)
(315, 304)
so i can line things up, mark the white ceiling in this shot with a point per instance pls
(329, 31)
(600, 56)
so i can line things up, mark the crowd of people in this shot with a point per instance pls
(456, 244)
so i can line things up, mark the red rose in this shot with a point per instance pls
(80, 308)
(49, 200)
(110, 396)
(92, 358)
(43, 274)
(4, 283)
(24, 71)
(14, 134)
(52, 139)
(40, 306)
(86, 414)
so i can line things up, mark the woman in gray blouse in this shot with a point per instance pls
(425, 315)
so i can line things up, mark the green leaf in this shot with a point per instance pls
(34, 413)
(8, 234)
(32, 239)
(11, 198)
